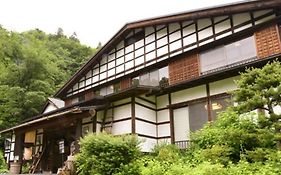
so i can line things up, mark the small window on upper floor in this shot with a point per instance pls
(228, 55)
(116, 87)
(159, 77)
(107, 90)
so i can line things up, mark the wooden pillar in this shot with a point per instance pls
(19, 145)
(209, 107)
(133, 116)
(171, 113)
(95, 123)
(78, 134)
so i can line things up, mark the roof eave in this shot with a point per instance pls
(195, 14)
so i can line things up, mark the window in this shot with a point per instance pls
(158, 77)
(106, 90)
(228, 55)
(218, 105)
(163, 77)
(198, 115)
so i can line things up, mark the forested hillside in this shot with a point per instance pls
(33, 65)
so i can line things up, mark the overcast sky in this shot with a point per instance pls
(93, 20)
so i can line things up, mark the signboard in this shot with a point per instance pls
(61, 146)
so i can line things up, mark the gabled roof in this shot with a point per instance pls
(232, 8)
(57, 102)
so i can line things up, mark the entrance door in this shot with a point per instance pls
(181, 126)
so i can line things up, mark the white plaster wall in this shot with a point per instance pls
(150, 98)
(223, 86)
(147, 144)
(100, 115)
(175, 45)
(98, 128)
(205, 33)
(260, 13)
(145, 113)
(50, 108)
(241, 18)
(87, 126)
(86, 120)
(122, 112)
(164, 130)
(123, 127)
(145, 128)
(145, 103)
(173, 27)
(164, 141)
(181, 124)
(162, 51)
(162, 101)
(163, 116)
(189, 94)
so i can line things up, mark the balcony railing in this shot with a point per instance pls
(182, 144)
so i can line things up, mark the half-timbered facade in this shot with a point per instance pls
(159, 78)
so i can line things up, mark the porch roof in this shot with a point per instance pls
(96, 103)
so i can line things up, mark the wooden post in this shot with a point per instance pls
(133, 116)
(171, 114)
(78, 134)
(19, 145)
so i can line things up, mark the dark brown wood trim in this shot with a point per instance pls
(147, 136)
(231, 23)
(146, 121)
(164, 123)
(123, 104)
(217, 11)
(148, 101)
(18, 149)
(213, 28)
(95, 123)
(208, 100)
(172, 131)
(78, 134)
(86, 123)
(161, 109)
(116, 121)
(198, 100)
(164, 137)
(255, 27)
(145, 106)
(152, 137)
(133, 107)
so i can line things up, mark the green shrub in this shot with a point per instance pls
(231, 136)
(103, 154)
(3, 165)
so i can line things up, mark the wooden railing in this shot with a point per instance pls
(182, 144)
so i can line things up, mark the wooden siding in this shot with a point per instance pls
(125, 83)
(268, 41)
(184, 69)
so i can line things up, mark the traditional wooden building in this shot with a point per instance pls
(159, 78)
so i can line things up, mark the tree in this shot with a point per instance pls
(33, 66)
(260, 88)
